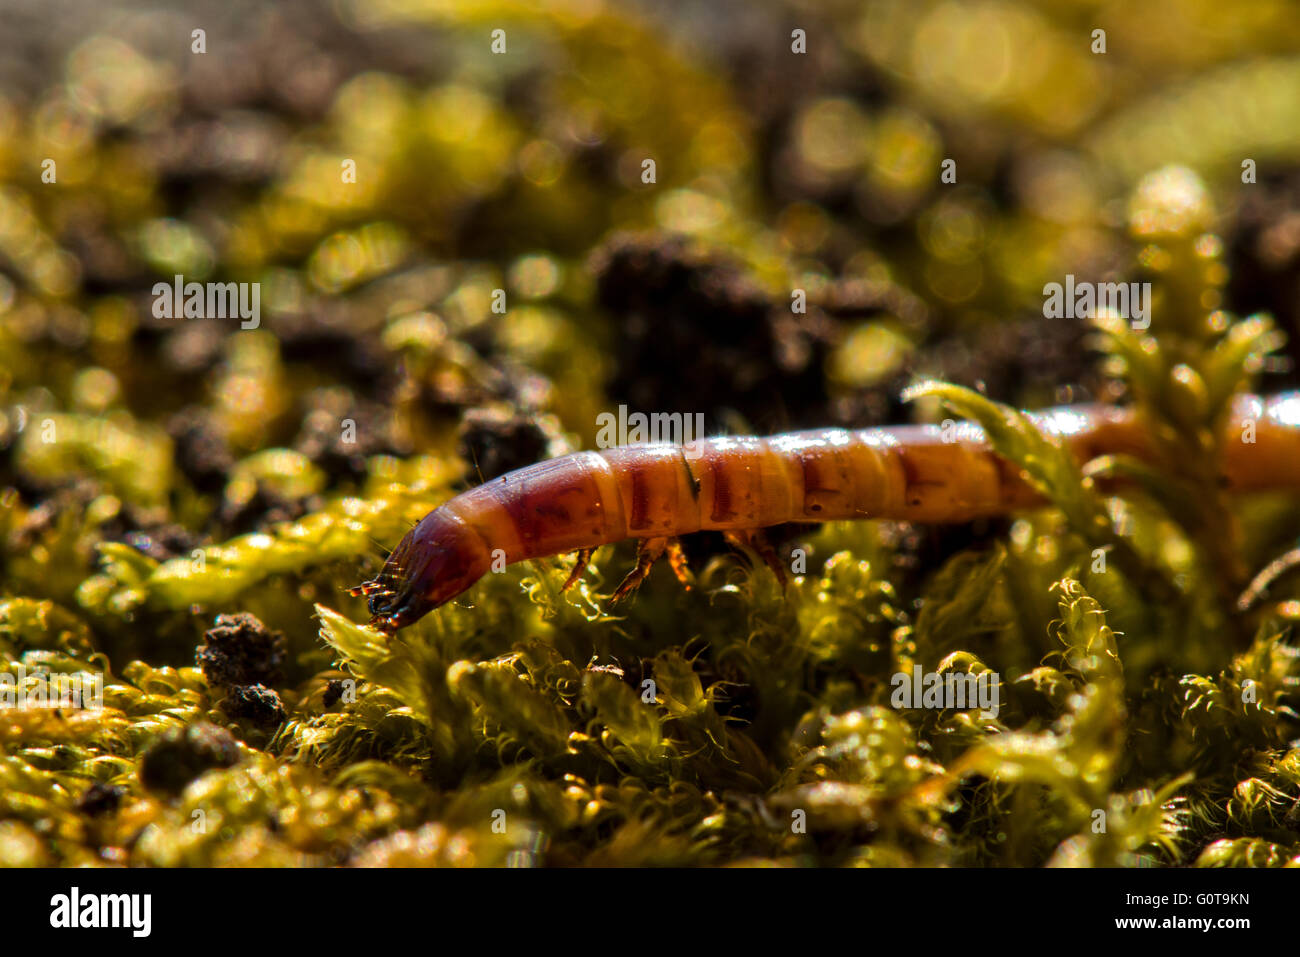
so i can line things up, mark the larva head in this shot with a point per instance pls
(435, 562)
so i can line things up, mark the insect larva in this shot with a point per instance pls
(739, 485)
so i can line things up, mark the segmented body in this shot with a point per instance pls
(739, 484)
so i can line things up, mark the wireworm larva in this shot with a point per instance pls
(740, 484)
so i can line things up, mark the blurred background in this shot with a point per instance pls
(477, 171)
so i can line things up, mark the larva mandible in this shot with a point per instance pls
(740, 484)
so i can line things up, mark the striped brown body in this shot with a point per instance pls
(740, 483)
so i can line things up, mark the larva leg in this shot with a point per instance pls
(649, 551)
(753, 539)
(677, 559)
(579, 568)
(367, 588)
